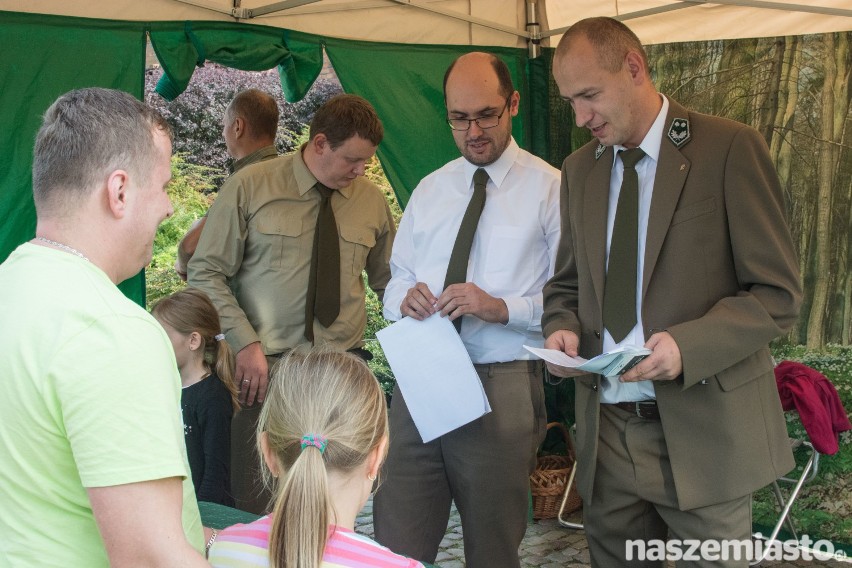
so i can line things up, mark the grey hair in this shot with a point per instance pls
(85, 135)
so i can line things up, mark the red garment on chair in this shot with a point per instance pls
(816, 400)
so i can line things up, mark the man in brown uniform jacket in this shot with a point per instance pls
(676, 445)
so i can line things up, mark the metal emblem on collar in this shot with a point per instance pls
(679, 132)
(599, 151)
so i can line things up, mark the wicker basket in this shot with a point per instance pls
(549, 479)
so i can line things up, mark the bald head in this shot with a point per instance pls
(250, 123)
(481, 102)
(479, 61)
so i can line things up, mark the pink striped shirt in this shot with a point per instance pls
(246, 546)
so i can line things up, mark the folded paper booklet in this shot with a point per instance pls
(608, 364)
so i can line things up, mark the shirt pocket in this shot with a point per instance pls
(356, 241)
(279, 239)
(510, 258)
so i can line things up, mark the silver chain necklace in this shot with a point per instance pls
(66, 248)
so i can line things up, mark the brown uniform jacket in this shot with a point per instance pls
(720, 275)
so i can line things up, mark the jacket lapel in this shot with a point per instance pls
(672, 171)
(596, 202)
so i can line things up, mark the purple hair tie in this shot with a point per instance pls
(316, 440)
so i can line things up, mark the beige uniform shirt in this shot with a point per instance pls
(254, 254)
(258, 155)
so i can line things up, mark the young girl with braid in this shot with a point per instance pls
(209, 396)
(323, 435)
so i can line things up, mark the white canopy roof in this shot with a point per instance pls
(480, 22)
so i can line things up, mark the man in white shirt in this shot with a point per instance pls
(485, 465)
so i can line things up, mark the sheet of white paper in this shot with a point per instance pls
(556, 357)
(434, 373)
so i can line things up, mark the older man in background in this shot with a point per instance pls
(249, 128)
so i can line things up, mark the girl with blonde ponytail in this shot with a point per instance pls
(209, 397)
(323, 436)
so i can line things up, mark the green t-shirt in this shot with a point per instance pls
(91, 398)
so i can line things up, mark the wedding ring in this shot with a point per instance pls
(246, 381)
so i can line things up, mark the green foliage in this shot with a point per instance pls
(187, 191)
(376, 174)
(375, 320)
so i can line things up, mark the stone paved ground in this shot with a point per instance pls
(546, 545)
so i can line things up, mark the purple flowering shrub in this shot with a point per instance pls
(196, 115)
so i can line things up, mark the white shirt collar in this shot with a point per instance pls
(498, 169)
(651, 143)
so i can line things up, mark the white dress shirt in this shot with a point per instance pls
(612, 390)
(513, 252)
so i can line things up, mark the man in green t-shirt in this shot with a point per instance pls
(93, 467)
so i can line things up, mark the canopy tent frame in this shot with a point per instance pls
(533, 34)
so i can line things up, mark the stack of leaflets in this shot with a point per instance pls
(610, 364)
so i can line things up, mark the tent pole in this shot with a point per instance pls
(534, 30)
(276, 7)
(824, 10)
(199, 4)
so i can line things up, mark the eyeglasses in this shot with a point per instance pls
(482, 122)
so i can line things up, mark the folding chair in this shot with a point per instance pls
(563, 522)
(808, 474)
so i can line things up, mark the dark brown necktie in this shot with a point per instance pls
(619, 305)
(457, 268)
(323, 297)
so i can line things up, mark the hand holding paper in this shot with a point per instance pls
(434, 374)
(609, 364)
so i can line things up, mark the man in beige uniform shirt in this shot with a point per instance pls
(248, 127)
(254, 259)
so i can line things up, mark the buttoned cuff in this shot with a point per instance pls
(241, 336)
(520, 314)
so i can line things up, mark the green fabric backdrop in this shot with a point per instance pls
(405, 84)
(54, 54)
(45, 57)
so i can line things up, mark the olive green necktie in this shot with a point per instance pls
(619, 304)
(457, 268)
(323, 297)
